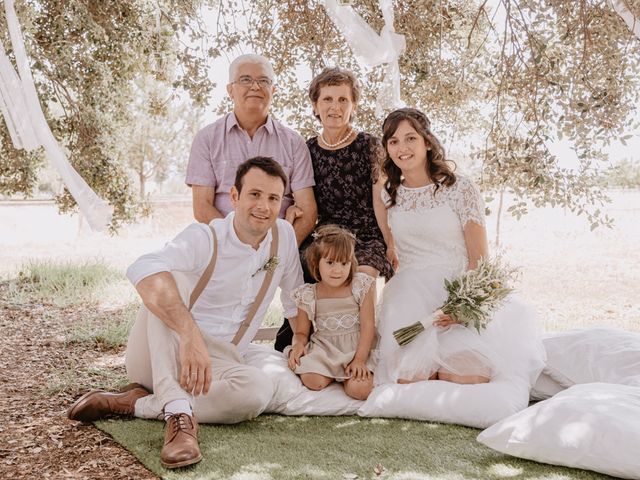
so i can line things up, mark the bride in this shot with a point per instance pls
(436, 221)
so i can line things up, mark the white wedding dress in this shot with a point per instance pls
(429, 238)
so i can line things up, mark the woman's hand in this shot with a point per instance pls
(292, 213)
(358, 370)
(298, 350)
(392, 256)
(444, 321)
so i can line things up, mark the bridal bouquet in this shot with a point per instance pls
(473, 296)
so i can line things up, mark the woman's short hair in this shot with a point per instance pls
(334, 76)
(250, 58)
(332, 242)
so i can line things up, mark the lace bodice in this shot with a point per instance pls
(333, 314)
(428, 229)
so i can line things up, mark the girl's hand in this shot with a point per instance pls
(358, 370)
(392, 256)
(444, 321)
(298, 350)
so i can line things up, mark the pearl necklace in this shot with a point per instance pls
(339, 142)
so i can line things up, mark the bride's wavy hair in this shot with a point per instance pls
(437, 165)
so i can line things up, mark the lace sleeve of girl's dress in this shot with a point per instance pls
(360, 285)
(467, 202)
(305, 298)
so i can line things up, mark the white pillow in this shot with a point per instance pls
(478, 405)
(593, 355)
(545, 387)
(595, 426)
(291, 397)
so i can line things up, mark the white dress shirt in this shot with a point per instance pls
(227, 298)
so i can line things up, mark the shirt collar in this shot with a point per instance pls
(232, 121)
(233, 236)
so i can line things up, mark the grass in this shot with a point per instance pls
(64, 284)
(269, 447)
(105, 330)
(287, 448)
(78, 379)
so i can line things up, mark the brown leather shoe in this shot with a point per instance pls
(180, 442)
(98, 404)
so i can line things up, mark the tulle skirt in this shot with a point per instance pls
(509, 345)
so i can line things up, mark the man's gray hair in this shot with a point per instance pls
(250, 58)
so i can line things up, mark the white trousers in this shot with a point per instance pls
(238, 391)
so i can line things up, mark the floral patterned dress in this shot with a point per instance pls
(344, 188)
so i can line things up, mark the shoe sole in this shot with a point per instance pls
(80, 403)
(185, 463)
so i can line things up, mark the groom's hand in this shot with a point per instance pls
(195, 363)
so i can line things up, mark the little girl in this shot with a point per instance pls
(341, 307)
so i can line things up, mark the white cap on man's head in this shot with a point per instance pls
(250, 58)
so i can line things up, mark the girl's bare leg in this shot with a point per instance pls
(358, 389)
(315, 381)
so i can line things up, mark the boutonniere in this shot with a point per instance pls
(269, 266)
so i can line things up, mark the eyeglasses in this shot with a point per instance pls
(247, 81)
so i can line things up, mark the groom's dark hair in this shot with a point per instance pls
(267, 164)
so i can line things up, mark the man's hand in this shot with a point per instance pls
(358, 370)
(195, 362)
(292, 213)
(298, 350)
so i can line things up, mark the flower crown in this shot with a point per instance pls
(322, 235)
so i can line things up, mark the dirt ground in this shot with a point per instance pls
(36, 439)
(574, 277)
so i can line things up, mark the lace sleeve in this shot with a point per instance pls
(305, 298)
(360, 286)
(468, 202)
(386, 198)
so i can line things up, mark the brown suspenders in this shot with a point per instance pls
(208, 272)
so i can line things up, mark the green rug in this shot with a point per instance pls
(334, 448)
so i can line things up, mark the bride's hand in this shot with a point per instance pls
(392, 256)
(444, 321)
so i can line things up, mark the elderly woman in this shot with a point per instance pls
(346, 166)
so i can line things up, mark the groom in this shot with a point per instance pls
(192, 358)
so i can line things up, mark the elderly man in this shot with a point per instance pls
(192, 358)
(249, 130)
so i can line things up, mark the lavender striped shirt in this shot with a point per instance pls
(220, 147)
